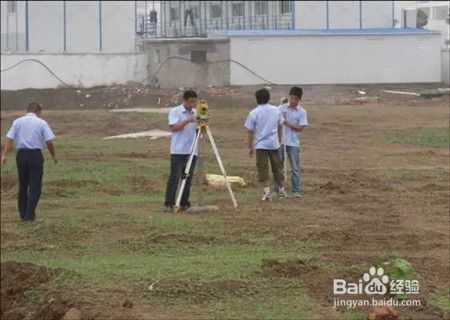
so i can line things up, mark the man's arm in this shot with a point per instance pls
(6, 149)
(280, 134)
(294, 127)
(181, 124)
(250, 137)
(51, 149)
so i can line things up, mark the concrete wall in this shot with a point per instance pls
(349, 58)
(446, 66)
(84, 70)
(177, 72)
(46, 26)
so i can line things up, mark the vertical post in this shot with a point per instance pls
(328, 14)
(164, 14)
(227, 4)
(7, 31)
(293, 14)
(27, 33)
(100, 40)
(393, 14)
(200, 17)
(145, 21)
(250, 14)
(183, 18)
(64, 26)
(275, 15)
(243, 14)
(206, 20)
(360, 15)
(135, 25)
(17, 30)
(180, 16)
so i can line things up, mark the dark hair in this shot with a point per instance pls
(189, 94)
(296, 91)
(262, 96)
(34, 107)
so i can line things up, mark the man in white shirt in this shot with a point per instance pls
(183, 123)
(264, 125)
(295, 121)
(31, 134)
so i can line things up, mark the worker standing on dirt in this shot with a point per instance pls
(264, 127)
(295, 121)
(30, 134)
(182, 122)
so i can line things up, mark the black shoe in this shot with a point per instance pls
(168, 209)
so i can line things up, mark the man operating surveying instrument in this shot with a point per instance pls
(202, 128)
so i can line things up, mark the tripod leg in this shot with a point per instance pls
(186, 171)
(284, 154)
(216, 152)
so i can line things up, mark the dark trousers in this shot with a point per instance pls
(178, 164)
(30, 168)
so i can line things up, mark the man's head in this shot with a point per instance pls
(262, 96)
(189, 99)
(295, 95)
(35, 108)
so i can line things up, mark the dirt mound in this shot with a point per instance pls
(16, 279)
(142, 184)
(54, 305)
(286, 268)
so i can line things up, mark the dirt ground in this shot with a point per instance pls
(371, 194)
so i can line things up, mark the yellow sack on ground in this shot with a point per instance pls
(216, 180)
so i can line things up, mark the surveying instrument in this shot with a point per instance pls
(202, 129)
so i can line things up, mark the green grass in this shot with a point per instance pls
(440, 300)
(430, 136)
(100, 222)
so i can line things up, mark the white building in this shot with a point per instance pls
(193, 18)
(68, 26)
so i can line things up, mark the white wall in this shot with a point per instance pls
(378, 58)
(310, 15)
(377, 14)
(344, 14)
(85, 70)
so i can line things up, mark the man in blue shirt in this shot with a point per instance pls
(264, 125)
(295, 121)
(31, 134)
(182, 122)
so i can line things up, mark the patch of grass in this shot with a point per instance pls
(431, 136)
(408, 175)
(357, 315)
(440, 300)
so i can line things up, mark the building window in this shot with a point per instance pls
(215, 10)
(261, 7)
(174, 14)
(237, 9)
(11, 7)
(285, 7)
